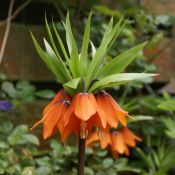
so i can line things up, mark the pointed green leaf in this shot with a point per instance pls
(84, 49)
(61, 43)
(49, 50)
(52, 54)
(50, 61)
(73, 83)
(119, 30)
(108, 30)
(51, 37)
(63, 66)
(93, 49)
(116, 79)
(113, 85)
(101, 52)
(119, 63)
(73, 50)
(138, 118)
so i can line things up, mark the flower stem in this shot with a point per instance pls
(81, 157)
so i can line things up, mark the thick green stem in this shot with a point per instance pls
(81, 157)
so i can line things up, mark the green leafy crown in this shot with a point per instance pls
(81, 71)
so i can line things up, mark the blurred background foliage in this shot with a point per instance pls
(22, 153)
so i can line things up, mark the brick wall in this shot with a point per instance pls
(165, 61)
(20, 59)
(161, 6)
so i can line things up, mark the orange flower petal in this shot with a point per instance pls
(93, 137)
(57, 97)
(84, 108)
(129, 138)
(71, 108)
(93, 121)
(44, 117)
(115, 104)
(121, 114)
(117, 143)
(101, 115)
(105, 139)
(104, 104)
(122, 118)
(52, 120)
(72, 126)
(127, 152)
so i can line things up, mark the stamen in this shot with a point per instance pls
(83, 130)
(99, 132)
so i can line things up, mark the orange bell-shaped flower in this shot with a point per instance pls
(82, 114)
(118, 141)
(52, 113)
(111, 109)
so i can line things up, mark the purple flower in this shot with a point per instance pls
(5, 105)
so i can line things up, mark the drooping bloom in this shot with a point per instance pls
(119, 141)
(52, 113)
(80, 114)
(77, 73)
(112, 110)
(86, 111)
(80, 117)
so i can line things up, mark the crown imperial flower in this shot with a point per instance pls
(52, 114)
(80, 114)
(83, 104)
(76, 109)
